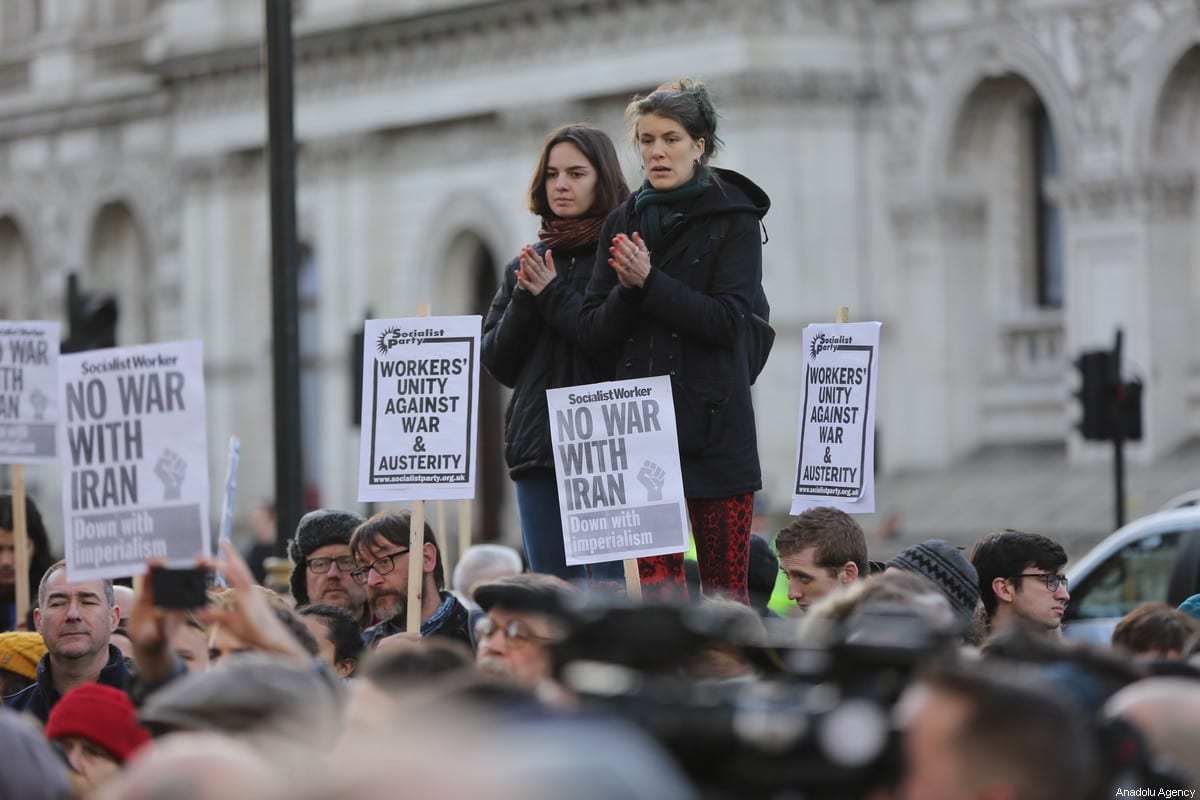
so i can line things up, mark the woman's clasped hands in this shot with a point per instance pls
(630, 259)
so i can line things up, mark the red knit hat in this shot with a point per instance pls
(100, 714)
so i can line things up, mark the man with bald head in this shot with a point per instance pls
(76, 621)
(1164, 711)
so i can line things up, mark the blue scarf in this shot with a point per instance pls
(654, 206)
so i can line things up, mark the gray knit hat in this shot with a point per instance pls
(945, 565)
(317, 529)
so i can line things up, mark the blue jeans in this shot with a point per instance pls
(541, 531)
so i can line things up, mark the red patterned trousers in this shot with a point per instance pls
(721, 527)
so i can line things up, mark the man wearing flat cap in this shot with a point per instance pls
(523, 617)
(320, 552)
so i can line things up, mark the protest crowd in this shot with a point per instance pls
(937, 674)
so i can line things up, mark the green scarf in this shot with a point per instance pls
(653, 205)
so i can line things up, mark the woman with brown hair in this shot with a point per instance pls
(675, 292)
(531, 334)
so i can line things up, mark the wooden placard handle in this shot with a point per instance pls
(20, 544)
(633, 579)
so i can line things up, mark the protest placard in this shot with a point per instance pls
(135, 458)
(28, 391)
(420, 408)
(616, 460)
(836, 437)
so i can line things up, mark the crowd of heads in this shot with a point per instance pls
(942, 677)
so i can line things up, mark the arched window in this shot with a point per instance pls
(1048, 253)
(118, 264)
(17, 300)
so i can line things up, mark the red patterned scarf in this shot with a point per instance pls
(570, 234)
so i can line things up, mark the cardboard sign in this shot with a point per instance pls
(134, 452)
(836, 437)
(420, 409)
(616, 459)
(28, 391)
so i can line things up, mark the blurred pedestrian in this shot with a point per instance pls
(40, 559)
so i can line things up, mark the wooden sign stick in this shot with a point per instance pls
(416, 547)
(439, 530)
(633, 580)
(464, 526)
(20, 544)
(843, 315)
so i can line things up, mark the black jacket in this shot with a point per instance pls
(38, 698)
(690, 322)
(531, 344)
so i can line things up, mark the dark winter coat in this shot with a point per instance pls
(690, 321)
(531, 344)
(38, 698)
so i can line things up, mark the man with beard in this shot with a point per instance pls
(40, 557)
(76, 621)
(323, 562)
(522, 618)
(380, 547)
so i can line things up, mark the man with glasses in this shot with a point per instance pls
(522, 618)
(1021, 581)
(320, 553)
(380, 548)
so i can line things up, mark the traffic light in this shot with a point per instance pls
(92, 319)
(1129, 410)
(1097, 394)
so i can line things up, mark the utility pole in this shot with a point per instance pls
(285, 342)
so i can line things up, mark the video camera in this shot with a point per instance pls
(816, 724)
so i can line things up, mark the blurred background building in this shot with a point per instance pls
(1002, 183)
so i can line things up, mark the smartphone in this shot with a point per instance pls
(179, 588)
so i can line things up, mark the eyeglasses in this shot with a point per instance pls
(321, 565)
(382, 566)
(1051, 580)
(514, 630)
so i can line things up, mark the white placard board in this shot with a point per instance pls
(835, 461)
(420, 409)
(616, 461)
(134, 453)
(28, 391)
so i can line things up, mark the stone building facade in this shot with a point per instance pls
(1002, 182)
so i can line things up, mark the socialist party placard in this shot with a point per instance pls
(836, 437)
(28, 391)
(616, 461)
(420, 409)
(134, 453)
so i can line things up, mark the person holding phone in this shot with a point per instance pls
(675, 288)
(531, 334)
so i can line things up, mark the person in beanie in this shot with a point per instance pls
(948, 569)
(97, 728)
(40, 774)
(20, 652)
(321, 554)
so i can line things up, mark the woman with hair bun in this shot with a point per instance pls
(674, 288)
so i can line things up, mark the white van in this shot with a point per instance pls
(1153, 559)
